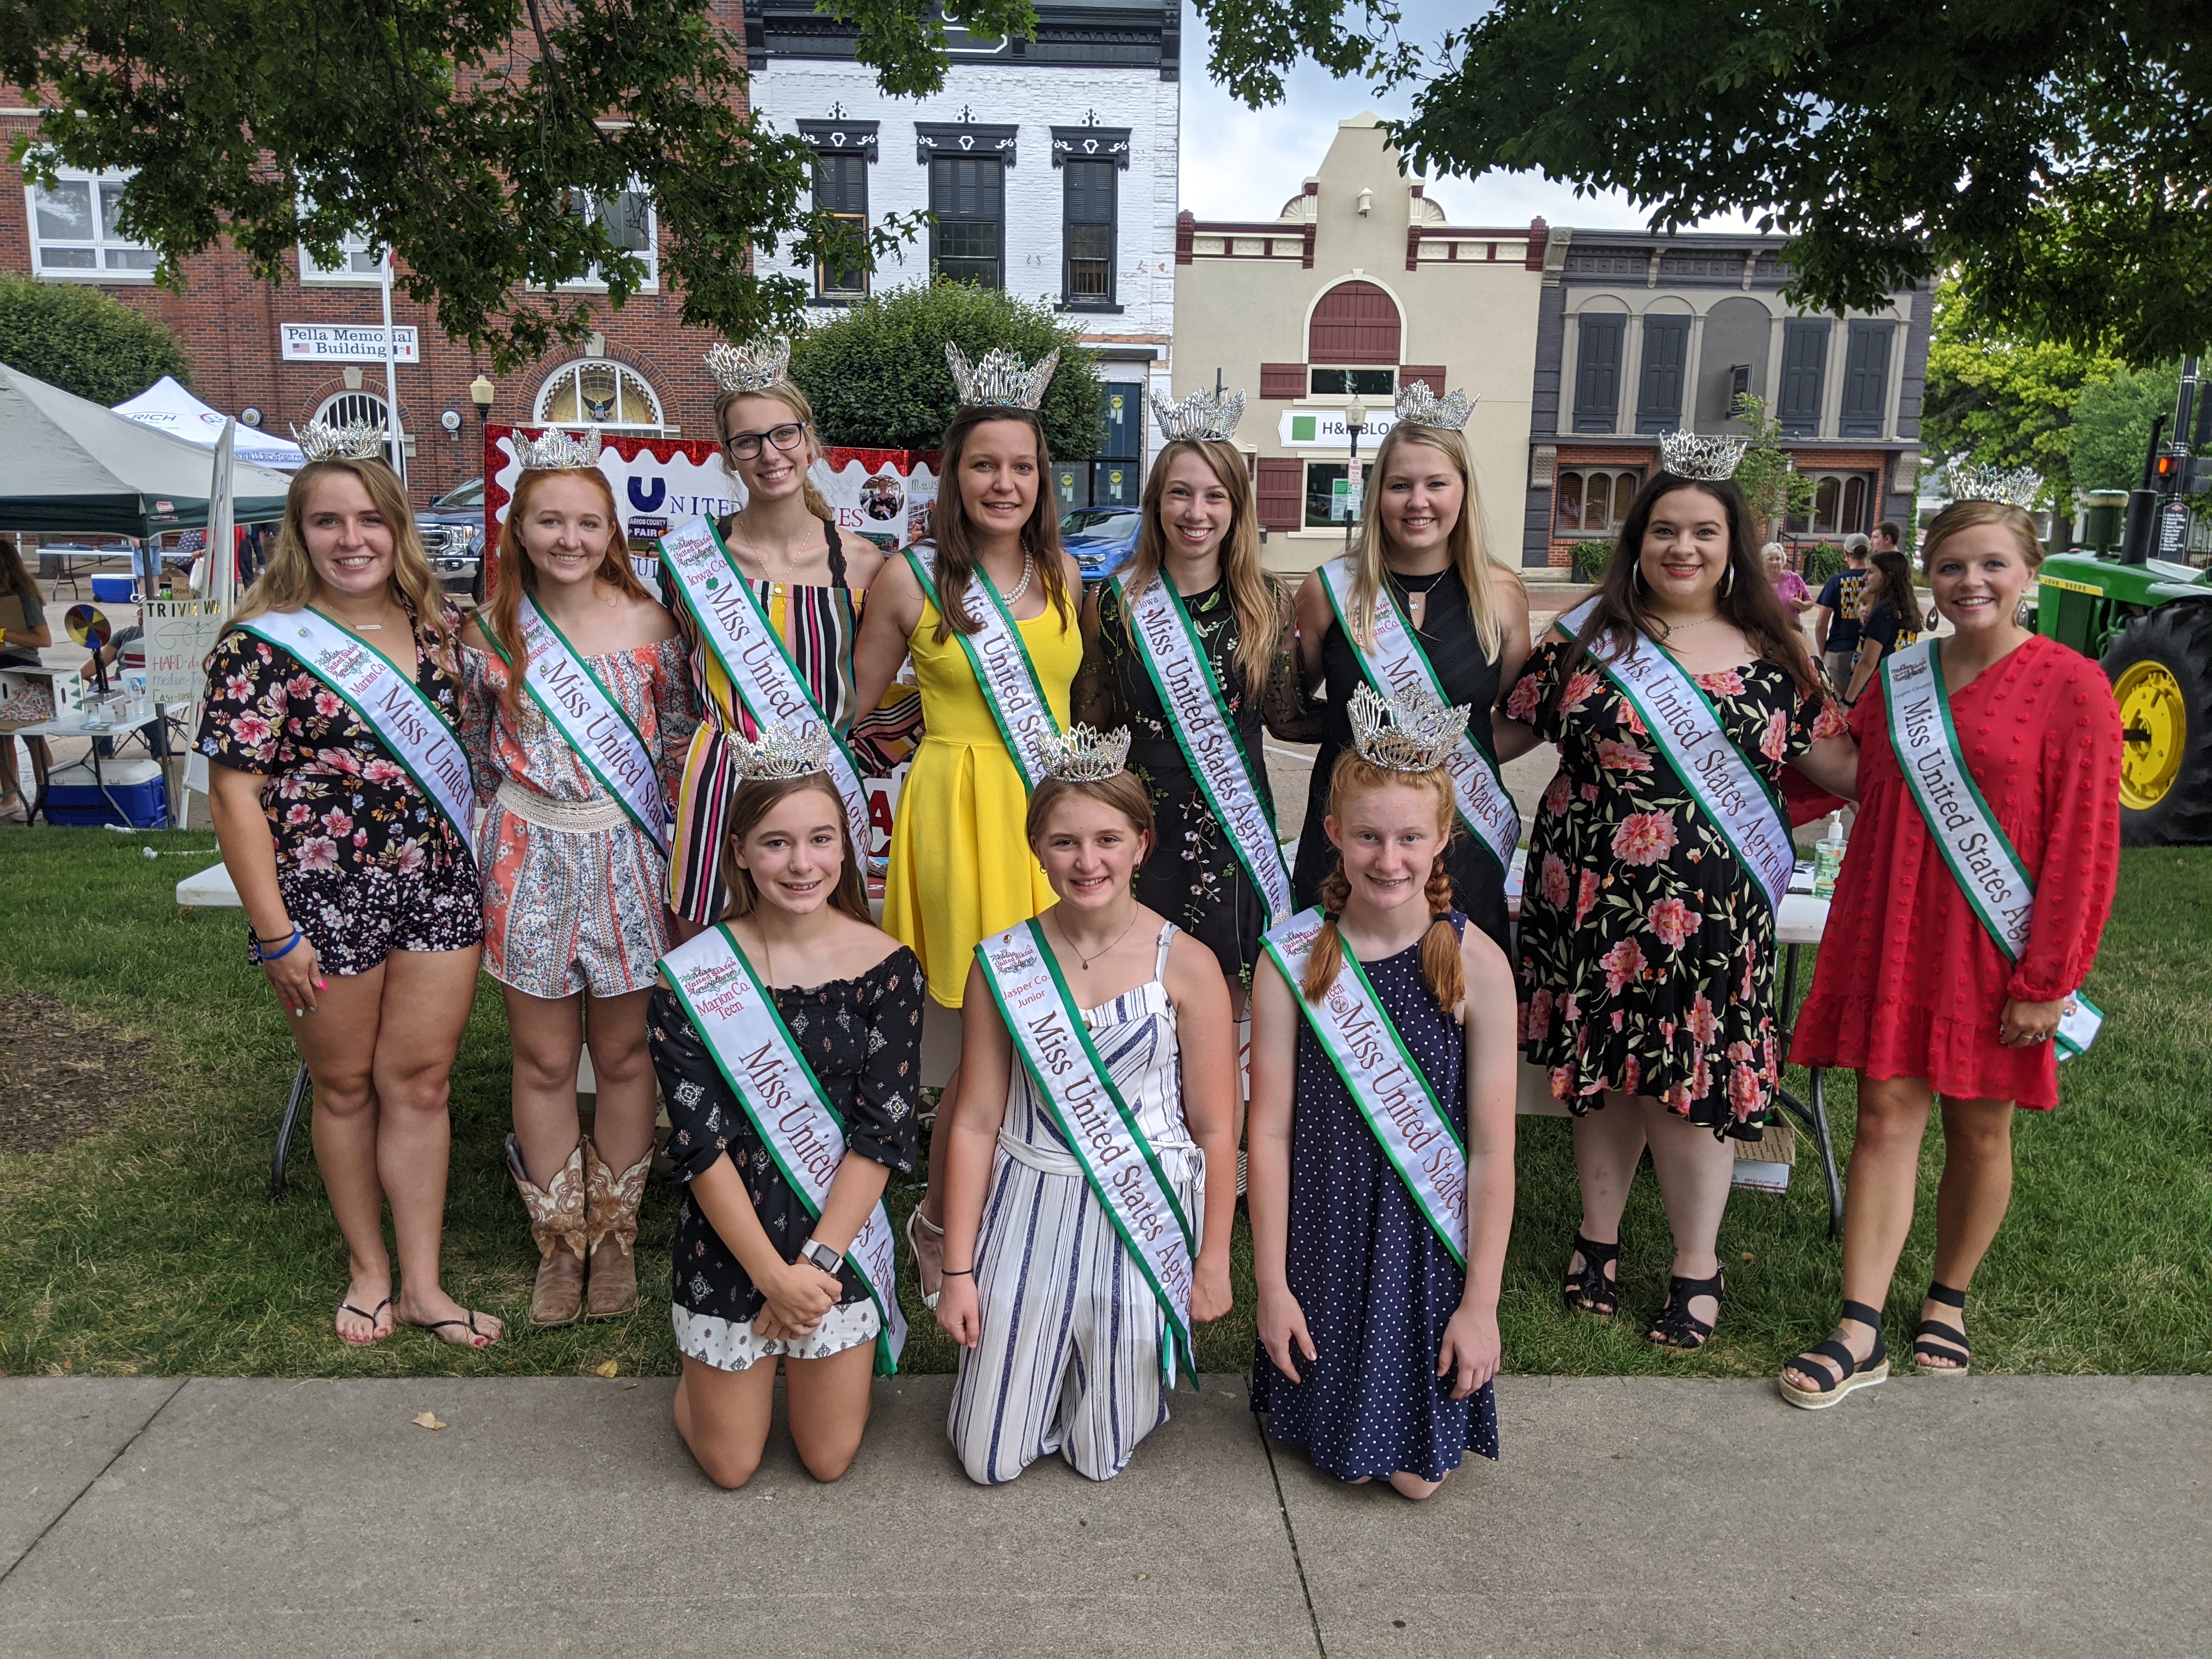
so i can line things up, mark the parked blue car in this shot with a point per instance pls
(1102, 538)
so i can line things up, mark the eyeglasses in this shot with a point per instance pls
(746, 445)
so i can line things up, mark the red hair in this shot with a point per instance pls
(501, 617)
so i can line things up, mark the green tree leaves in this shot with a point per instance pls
(82, 341)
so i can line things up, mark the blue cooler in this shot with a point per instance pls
(73, 795)
(111, 589)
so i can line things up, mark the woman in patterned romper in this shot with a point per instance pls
(1060, 1331)
(573, 918)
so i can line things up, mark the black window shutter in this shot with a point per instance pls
(1804, 359)
(1597, 373)
(1866, 380)
(1659, 398)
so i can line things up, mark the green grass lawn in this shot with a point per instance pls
(150, 1245)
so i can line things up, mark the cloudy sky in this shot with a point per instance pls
(1243, 164)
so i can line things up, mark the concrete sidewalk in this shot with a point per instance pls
(2001, 1517)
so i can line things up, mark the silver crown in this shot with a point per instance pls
(750, 367)
(1405, 734)
(2017, 486)
(357, 441)
(1001, 378)
(1419, 406)
(1085, 756)
(1697, 455)
(555, 450)
(789, 749)
(1203, 414)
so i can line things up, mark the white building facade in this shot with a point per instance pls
(1051, 166)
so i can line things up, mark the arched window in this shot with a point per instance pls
(1354, 323)
(1591, 504)
(357, 409)
(597, 392)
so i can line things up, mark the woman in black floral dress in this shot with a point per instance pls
(1647, 949)
(362, 898)
(1201, 528)
(747, 1292)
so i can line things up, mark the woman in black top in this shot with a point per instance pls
(744, 1293)
(1201, 533)
(1891, 612)
(1421, 542)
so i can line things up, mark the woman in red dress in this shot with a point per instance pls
(1912, 990)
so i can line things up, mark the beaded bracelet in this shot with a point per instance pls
(259, 955)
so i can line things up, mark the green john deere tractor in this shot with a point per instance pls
(2145, 614)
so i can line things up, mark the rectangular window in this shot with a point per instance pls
(73, 228)
(1659, 391)
(1328, 496)
(358, 260)
(840, 190)
(1866, 380)
(1088, 232)
(967, 194)
(1354, 382)
(627, 218)
(1597, 372)
(1804, 364)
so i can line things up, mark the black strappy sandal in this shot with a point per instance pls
(1852, 1374)
(1590, 1290)
(1949, 1342)
(1675, 1327)
(447, 1324)
(348, 1307)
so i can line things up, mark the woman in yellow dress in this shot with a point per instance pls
(993, 579)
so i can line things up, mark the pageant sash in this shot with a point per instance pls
(1003, 669)
(1198, 715)
(378, 690)
(1396, 665)
(1981, 856)
(1683, 723)
(577, 700)
(758, 1059)
(737, 631)
(1100, 1129)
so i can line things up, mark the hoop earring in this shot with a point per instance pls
(1728, 580)
(1636, 575)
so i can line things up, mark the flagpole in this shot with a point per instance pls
(391, 379)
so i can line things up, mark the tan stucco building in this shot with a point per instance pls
(1356, 287)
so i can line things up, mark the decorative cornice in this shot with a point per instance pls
(935, 139)
(1092, 144)
(840, 137)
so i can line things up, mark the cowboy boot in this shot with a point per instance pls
(557, 1222)
(610, 1230)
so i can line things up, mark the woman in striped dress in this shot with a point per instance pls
(1065, 1344)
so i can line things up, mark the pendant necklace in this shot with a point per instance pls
(1087, 961)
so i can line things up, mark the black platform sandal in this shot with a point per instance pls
(1852, 1374)
(1675, 1327)
(1590, 1290)
(1949, 1342)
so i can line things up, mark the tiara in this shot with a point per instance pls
(1001, 378)
(1419, 406)
(1203, 414)
(2018, 486)
(1696, 455)
(1085, 756)
(789, 749)
(750, 367)
(357, 441)
(555, 450)
(1405, 734)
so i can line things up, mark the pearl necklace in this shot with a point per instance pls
(1029, 569)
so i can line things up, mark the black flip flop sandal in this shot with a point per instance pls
(1948, 1342)
(1852, 1374)
(1590, 1290)
(1675, 1327)
(348, 1307)
(446, 1324)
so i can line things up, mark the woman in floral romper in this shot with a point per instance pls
(1647, 948)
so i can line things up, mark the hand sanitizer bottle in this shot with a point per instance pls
(1828, 858)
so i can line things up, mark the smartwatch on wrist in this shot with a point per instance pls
(821, 1255)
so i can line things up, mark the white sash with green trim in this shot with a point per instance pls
(588, 715)
(1198, 715)
(1981, 856)
(762, 674)
(1389, 1088)
(1682, 720)
(1003, 669)
(758, 1058)
(378, 690)
(1397, 666)
(1100, 1129)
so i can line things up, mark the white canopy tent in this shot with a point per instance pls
(168, 407)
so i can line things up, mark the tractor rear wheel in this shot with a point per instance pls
(2162, 673)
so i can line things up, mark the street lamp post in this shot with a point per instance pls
(1355, 417)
